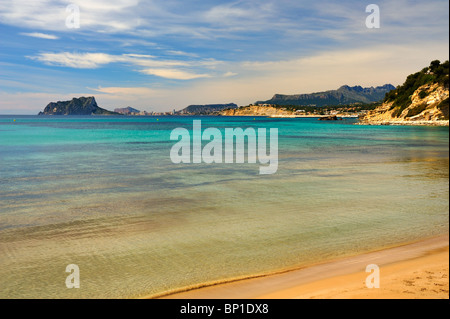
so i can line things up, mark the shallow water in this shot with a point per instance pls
(102, 193)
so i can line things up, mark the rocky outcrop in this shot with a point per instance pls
(126, 110)
(429, 105)
(207, 109)
(421, 99)
(77, 106)
(329, 118)
(256, 110)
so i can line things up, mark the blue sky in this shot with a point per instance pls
(163, 55)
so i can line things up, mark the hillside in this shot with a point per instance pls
(206, 109)
(422, 99)
(77, 106)
(256, 110)
(342, 96)
(126, 110)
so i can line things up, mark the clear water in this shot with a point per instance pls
(102, 193)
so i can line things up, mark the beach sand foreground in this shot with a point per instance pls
(417, 270)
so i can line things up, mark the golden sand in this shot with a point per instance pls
(417, 270)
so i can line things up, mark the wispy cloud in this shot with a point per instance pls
(174, 74)
(76, 60)
(51, 14)
(151, 64)
(182, 53)
(40, 35)
(229, 73)
(214, 20)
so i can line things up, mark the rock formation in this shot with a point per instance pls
(256, 110)
(77, 106)
(428, 103)
(126, 110)
(206, 109)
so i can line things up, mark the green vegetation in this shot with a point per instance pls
(321, 110)
(325, 110)
(437, 72)
(344, 95)
(423, 94)
(417, 110)
(207, 109)
(444, 106)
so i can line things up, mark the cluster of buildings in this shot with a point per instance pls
(312, 109)
(135, 112)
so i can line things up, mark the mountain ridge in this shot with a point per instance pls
(343, 95)
(204, 109)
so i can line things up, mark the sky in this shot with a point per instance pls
(162, 55)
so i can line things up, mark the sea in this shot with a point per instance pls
(102, 193)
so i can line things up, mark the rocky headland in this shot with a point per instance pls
(76, 106)
(422, 100)
(257, 110)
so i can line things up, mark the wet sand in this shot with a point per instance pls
(416, 270)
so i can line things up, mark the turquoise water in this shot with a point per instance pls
(102, 193)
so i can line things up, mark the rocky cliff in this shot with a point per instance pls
(422, 99)
(256, 110)
(77, 106)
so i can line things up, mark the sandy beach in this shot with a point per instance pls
(415, 270)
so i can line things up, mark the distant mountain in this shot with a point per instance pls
(344, 95)
(126, 110)
(77, 106)
(207, 109)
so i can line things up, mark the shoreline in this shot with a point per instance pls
(311, 116)
(410, 270)
(406, 123)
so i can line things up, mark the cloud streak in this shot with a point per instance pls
(159, 68)
(40, 35)
(218, 20)
(174, 74)
(76, 60)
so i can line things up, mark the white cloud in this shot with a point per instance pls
(229, 73)
(174, 74)
(152, 66)
(182, 53)
(146, 56)
(99, 15)
(76, 60)
(41, 35)
(244, 16)
(149, 19)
